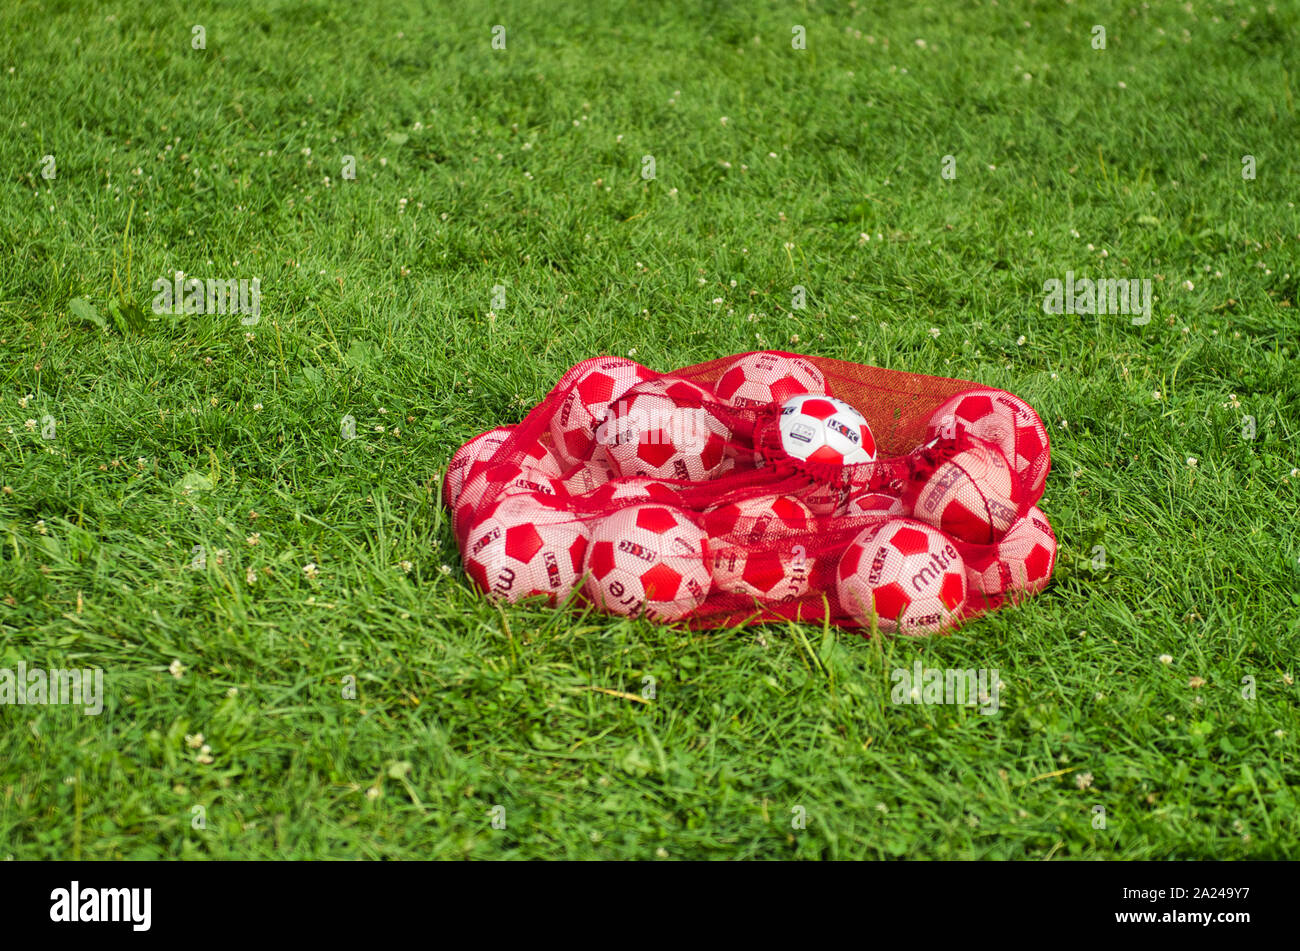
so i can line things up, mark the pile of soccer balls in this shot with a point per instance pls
(760, 496)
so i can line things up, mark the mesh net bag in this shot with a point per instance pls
(760, 487)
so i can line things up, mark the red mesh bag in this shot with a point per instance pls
(756, 488)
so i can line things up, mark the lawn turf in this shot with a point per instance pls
(361, 709)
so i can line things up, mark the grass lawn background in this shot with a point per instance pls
(523, 168)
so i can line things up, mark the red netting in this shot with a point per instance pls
(691, 496)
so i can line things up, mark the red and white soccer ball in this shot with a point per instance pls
(592, 386)
(478, 449)
(649, 560)
(759, 547)
(759, 379)
(527, 545)
(910, 574)
(1020, 564)
(1005, 420)
(540, 457)
(825, 430)
(880, 505)
(971, 496)
(590, 475)
(490, 483)
(666, 429)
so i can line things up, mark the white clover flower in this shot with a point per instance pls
(1165, 659)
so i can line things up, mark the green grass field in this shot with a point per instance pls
(522, 168)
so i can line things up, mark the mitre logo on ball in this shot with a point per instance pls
(648, 559)
(905, 573)
(759, 548)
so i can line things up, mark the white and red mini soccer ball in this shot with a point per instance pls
(477, 450)
(586, 476)
(759, 547)
(540, 457)
(489, 483)
(592, 386)
(1019, 565)
(909, 573)
(649, 560)
(1005, 420)
(971, 496)
(825, 430)
(526, 545)
(880, 505)
(759, 379)
(666, 429)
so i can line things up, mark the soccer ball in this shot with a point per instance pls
(590, 475)
(590, 388)
(910, 574)
(648, 559)
(478, 449)
(1005, 420)
(1019, 565)
(825, 430)
(757, 379)
(526, 545)
(971, 496)
(758, 547)
(539, 456)
(665, 429)
(507, 479)
(875, 504)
